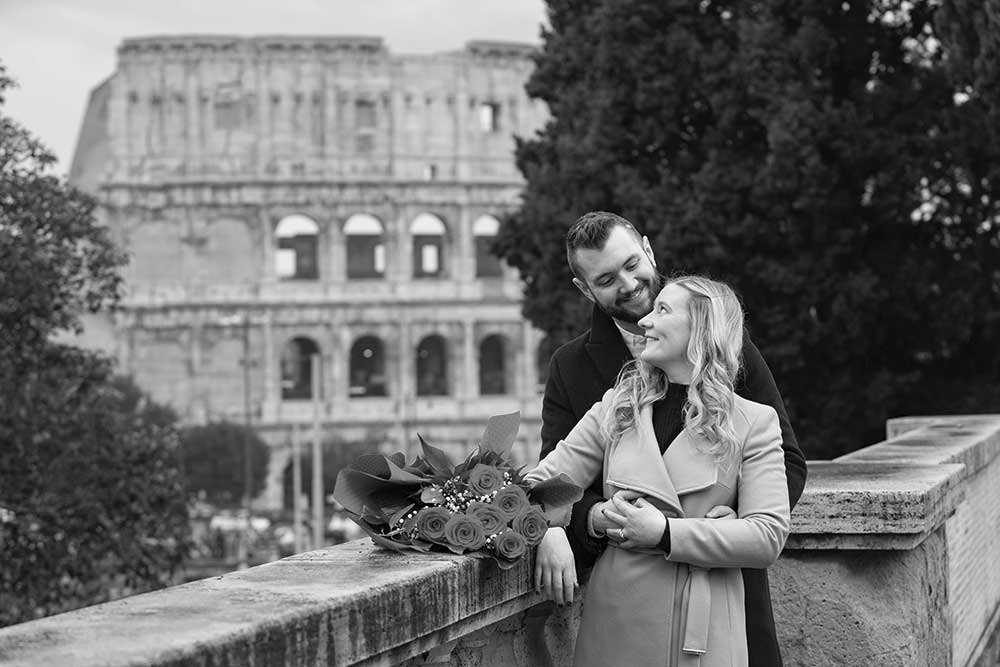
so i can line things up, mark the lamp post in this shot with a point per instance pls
(247, 468)
(243, 548)
(318, 492)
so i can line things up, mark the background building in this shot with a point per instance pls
(283, 197)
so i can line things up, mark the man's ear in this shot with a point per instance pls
(582, 286)
(648, 249)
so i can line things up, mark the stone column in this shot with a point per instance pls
(272, 356)
(471, 390)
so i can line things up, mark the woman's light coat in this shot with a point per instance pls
(684, 609)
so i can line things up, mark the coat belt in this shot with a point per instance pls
(697, 599)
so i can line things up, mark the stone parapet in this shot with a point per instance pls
(893, 555)
(892, 561)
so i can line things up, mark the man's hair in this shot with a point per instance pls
(591, 231)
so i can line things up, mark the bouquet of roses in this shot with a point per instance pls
(481, 507)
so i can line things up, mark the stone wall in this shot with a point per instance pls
(892, 561)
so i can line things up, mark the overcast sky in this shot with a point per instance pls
(58, 50)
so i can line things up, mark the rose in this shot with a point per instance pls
(510, 545)
(512, 500)
(531, 524)
(484, 479)
(431, 522)
(465, 532)
(489, 515)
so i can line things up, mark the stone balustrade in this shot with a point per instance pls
(892, 561)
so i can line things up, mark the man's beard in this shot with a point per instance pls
(627, 310)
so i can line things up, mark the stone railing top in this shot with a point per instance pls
(352, 604)
(972, 440)
(892, 494)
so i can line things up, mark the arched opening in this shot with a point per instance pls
(427, 232)
(365, 246)
(296, 369)
(297, 252)
(484, 231)
(493, 365)
(367, 367)
(432, 367)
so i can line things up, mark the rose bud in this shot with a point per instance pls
(531, 524)
(510, 545)
(465, 532)
(489, 515)
(512, 500)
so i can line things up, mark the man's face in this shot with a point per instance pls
(621, 277)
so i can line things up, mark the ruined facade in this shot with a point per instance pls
(285, 197)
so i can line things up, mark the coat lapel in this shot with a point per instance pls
(606, 347)
(635, 463)
(690, 468)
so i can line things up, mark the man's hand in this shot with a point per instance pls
(555, 570)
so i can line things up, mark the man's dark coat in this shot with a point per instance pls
(581, 371)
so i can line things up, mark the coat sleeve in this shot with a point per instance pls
(558, 419)
(757, 536)
(757, 384)
(580, 455)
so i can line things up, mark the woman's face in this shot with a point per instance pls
(667, 329)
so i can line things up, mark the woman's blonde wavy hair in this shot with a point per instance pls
(715, 349)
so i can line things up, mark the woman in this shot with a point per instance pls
(668, 590)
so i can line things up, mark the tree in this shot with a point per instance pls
(91, 496)
(214, 461)
(810, 153)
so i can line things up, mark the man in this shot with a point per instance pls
(615, 269)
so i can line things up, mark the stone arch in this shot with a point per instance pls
(429, 234)
(297, 253)
(366, 252)
(484, 231)
(432, 366)
(367, 367)
(494, 369)
(296, 368)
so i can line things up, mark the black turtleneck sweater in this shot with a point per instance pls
(668, 422)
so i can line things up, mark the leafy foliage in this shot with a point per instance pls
(91, 499)
(213, 456)
(813, 155)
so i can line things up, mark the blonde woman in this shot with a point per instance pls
(669, 590)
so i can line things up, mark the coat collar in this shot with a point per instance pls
(605, 346)
(636, 463)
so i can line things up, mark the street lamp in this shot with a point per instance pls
(246, 362)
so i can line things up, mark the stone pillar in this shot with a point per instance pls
(266, 244)
(471, 389)
(272, 380)
(402, 250)
(192, 94)
(465, 248)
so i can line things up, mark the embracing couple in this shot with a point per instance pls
(666, 410)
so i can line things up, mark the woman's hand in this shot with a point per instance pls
(555, 569)
(638, 524)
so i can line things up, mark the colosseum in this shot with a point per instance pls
(309, 223)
